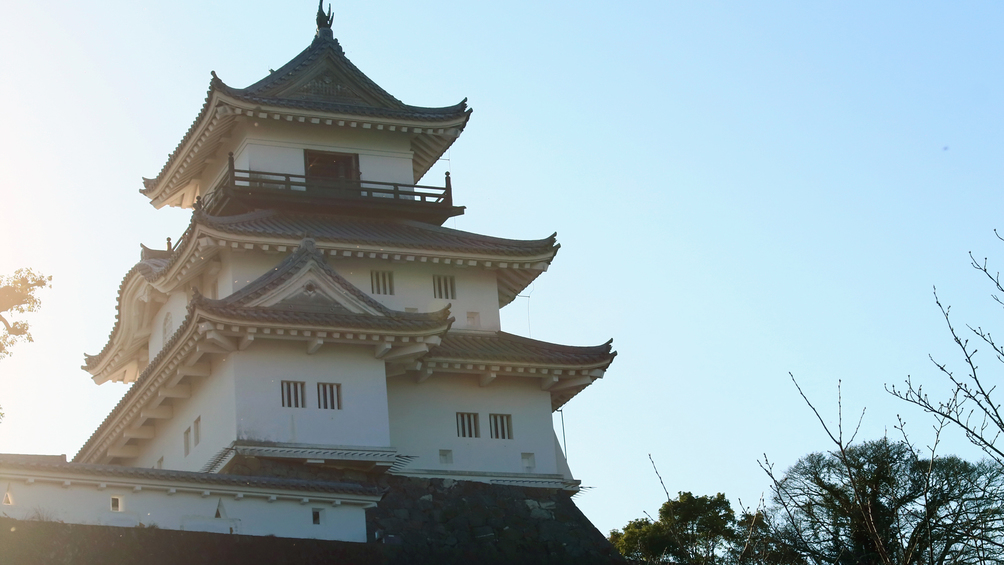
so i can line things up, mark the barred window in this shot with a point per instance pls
(382, 282)
(444, 287)
(293, 394)
(501, 425)
(467, 424)
(329, 396)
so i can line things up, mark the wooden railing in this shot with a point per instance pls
(320, 188)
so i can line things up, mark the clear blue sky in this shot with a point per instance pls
(741, 189)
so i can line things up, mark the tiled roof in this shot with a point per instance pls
(503, 347)
(232, 307)
(389, 232)
(322, 314)
(323, 319)
(377, 102)
(234, 481)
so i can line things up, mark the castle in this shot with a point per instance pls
(315, 315)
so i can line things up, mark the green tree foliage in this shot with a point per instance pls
(17, 296)
(757, 543)
(698, 530)
(880, 502)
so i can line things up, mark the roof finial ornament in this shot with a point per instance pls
(323, 20)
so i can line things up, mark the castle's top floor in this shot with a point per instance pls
(317, 125)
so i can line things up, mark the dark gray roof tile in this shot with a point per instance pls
(209, 479)
(503, 347)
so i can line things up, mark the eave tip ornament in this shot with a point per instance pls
(324, 20)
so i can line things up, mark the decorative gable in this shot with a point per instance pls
(304, 282)
(327, 84)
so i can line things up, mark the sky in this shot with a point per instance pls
(742, 190)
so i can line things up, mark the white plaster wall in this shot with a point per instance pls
(278, 147)
(213, 402)
(362, 421)
(250, 515)
(241, 268)
(477, 289)
(423, 421)
(177, 305)
(225, 279)
(274, 158)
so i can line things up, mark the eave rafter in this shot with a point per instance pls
(562, 382)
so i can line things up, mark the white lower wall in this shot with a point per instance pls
(184, 510)
(212, 403)
(260, 369)
(423, 421)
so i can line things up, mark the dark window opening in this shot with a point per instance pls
(336, 166)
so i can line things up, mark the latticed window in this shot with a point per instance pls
(444, 287)
(467, 424)
(501, 425)
(382, 282)
(294, 394)
(329, 396)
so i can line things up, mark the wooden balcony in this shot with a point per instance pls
(245, 190)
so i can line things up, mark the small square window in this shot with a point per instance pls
(294, 394)
(467, 424)
(382, 282)
(116, 504)
(329, 396)
(528, 463)
(196, 431)
(446, 456)
(474, 320)
(444, 287)
(501, 425)
(316, 514)
(7, 501)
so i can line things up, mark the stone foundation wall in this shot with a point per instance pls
(458, 521)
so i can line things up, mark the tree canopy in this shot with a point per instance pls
(880, 502)
(690, 529)
(17, 296)
(871, 503)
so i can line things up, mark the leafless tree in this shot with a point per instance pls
(884, 502)
(970, 404)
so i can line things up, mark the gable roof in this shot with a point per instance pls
(318, 84)
(346, 306)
